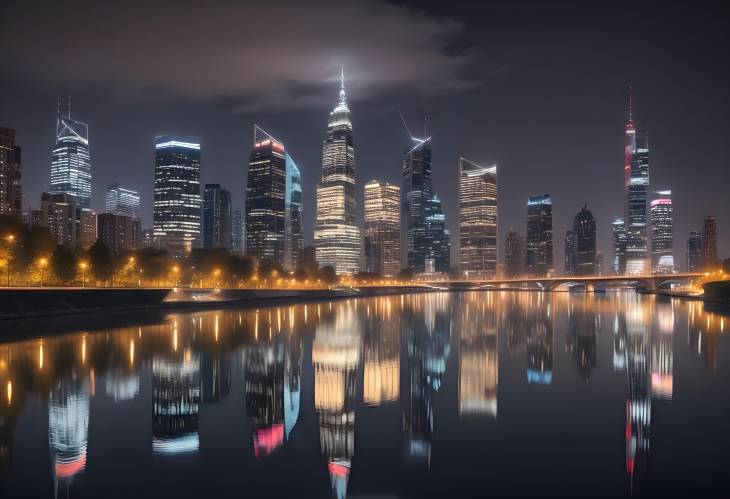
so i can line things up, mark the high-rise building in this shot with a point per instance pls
(177, 193)
(694, 252)
(293, 241)
(265, 193)
(71, 160)
(438, 236)
(709, 243)
(570, 252)
(660, 215)
(381, 212)
(337, 236)
(87, 228)
(514, 254)
(217, 217)
(477, 219)
(11, 195)
(539, 253)
(237, 232)
(118, 232)
(618, 236)
(61, 214)
(636, 173)
(584, 228)
(599, 263)
(122, 201)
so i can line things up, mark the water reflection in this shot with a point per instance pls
(315, 367)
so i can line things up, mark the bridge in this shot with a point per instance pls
(647, 282)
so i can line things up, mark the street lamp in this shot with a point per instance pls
(42, 262)
(10, 238)
(83, 266)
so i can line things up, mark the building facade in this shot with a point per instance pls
(61, 214)
(662, 241)
(695, 262)
(584, 228)
(293, 241)
(336, 235)
(120, 200)
(570, 243)
(237, 232)
(514, 254)
(539, 250)
(709, 243)
(71, 160)
(177, 202)
(477, 220)
(381, 213)
(11, 194)
(217, 217)
(118, 232)
(618, 239)
(636, 182)
(265, 193)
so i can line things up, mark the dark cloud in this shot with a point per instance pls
(273, 54)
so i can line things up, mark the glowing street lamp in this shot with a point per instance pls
(83, 266)
(42, 263)
(10, 238)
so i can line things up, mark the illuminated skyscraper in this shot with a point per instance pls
(217, 217)
(293, 215)
(11, 195)
(122, 201)
(584, 230)
(477, 219)
(618, 235)
(709, 243)
(177, 193)
(71, 160)
(337, 236)
(382, 228)
(514, 254)
(570, 255)
(438, 259)
(539, 255)
(636, 173)
(694, 252)
(237, 231)
(662, 257)
(265, 193)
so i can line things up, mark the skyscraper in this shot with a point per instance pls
(584, 228)
(265, 204)
(293, 215)
(177, 193)
(438, 259)
(71, 160)
(11, 196)
(709, 243)
(122, 201)
(514, 254)
(237, 232)
(636, 173)
(618, 235)
(660, 215)
(570, 255)
(118, 232)
(694, 252)
(337, 236)
(382, 228)
(415, 193)
(539, 254)
(217, 217)
(477, 219)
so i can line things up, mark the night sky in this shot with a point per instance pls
(540, 88)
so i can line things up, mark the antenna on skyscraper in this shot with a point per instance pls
(405, 125)
(69, 106)
(631, 106)
(58, 107)
(425, 121)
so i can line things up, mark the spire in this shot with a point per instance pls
(343, 97)
(631, 106)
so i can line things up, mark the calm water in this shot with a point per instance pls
(482, 394)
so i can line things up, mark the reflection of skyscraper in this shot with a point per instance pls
(662, 352)
(636, 173)
(477, 219)
(71, 160)
(618, 235)
(122, 385)
(381, 214)
(175, 404)
(381, 358)
(582, 337)
(662, 257)
(478, 360)
(335, 356)
(215, 377)
(539, 256)
(337, 236)
(265, 396)
(540, 348)
(68, 427)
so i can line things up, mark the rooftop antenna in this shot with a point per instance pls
(69, 106)
(342, 76)
(405, 125)
(631, 106)
(58, 107)
(425, 121)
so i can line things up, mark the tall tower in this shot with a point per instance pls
(382, 228)
(584, 229)
(662, 257)
(636, 175)
(477, 219)
(293, 215)
(71, 159)
(709, 243)
(10, 187)
(265, 193)
(539, 253)
(217, 217)
(337, 236)
(120, 200)
(618, 235)
(177, 193)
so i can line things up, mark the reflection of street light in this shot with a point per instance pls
(83, 266)
(175, 271)
(42, 262)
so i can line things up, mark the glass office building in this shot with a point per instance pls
(662, 242)
(71, 160)
(477, 219)
(217, 217)
(293, 241)
(539, 250)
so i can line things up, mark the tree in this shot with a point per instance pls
(63, 264)
(407, 274)
(328, 275)
(154, 264)
(100, 261)
(240, 267)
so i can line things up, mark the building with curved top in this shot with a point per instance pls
(477, 219)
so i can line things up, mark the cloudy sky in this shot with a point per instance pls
(537, 87)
